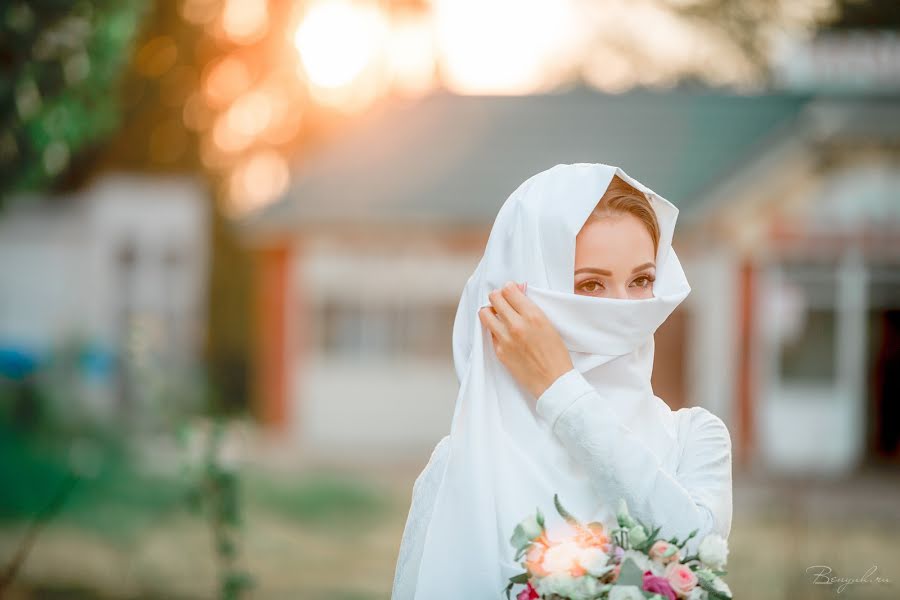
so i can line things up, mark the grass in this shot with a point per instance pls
(117, 501)
(322, 501)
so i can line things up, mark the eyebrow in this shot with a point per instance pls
(609, 273)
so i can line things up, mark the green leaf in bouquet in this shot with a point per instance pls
(570, 519)
(688, 538)
(522, 552)
(715, 587)
(630, 574)
(637, 535)
(623, 517)
(651, 539)
(540, 517)
(527, 530)
(521, 578)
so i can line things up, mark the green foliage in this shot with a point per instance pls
(114, 500)
(214, 489)
(29, 474)
(325, 501)
(520, 579)
(570, 519)
(630, 574)
(56, 464)
(62, 64)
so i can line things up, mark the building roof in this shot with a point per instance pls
(450, 159)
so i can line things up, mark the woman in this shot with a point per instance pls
(553, 349)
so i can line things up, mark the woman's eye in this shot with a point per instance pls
(644, 281)
(590, 286)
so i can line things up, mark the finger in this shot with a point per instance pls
(516, 298)
(490, 320)
(507, 313)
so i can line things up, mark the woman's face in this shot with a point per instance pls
(614, 258)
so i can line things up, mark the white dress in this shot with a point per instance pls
(697, 496)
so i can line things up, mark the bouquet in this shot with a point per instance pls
(629, 562)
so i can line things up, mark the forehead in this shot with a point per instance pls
(619, 234)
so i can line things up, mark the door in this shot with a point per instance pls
(812, 395)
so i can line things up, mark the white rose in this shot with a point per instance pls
(713, 551)
(555, 583)
(643, 562)
(625, 592)
(575, 588)
(594, 560)
(525, 531)
(587, 588)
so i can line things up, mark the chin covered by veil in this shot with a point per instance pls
(504, 460)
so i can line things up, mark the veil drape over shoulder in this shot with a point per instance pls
(504, 460)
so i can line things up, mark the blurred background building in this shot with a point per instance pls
(233, 236)
(789, 232)
(118, 270)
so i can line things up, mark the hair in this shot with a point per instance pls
(623, 198)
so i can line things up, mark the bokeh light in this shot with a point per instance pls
(250, 114)
(338, 40)
(156, 56)
(502, 46)
(411, 54)
(199, 12)
(226, 80)
(245, 21)
(257, 180)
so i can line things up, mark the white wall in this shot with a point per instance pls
(61, 275)
(712, 337)
(372, 405)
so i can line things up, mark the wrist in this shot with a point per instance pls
(553, 376)
(562, 393)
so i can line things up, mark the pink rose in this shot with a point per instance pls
(658, 585)
(529, 593)
(681, 578)
(664, 552)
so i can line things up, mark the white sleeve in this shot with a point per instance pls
(698, 496)
(424, 492)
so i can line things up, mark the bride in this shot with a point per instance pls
(553, 349)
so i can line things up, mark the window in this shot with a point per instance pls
(808, 349)
(356, 330)
(810, 356)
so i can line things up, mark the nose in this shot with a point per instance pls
(619, 292)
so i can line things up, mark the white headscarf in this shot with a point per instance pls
(504, 461)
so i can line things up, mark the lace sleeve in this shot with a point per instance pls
(424, 492)
(698, 496)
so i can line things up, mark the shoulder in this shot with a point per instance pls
(698, 427)
(695, 418)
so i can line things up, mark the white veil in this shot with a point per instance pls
(504, 461)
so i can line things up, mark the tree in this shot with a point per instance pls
(60, 61)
